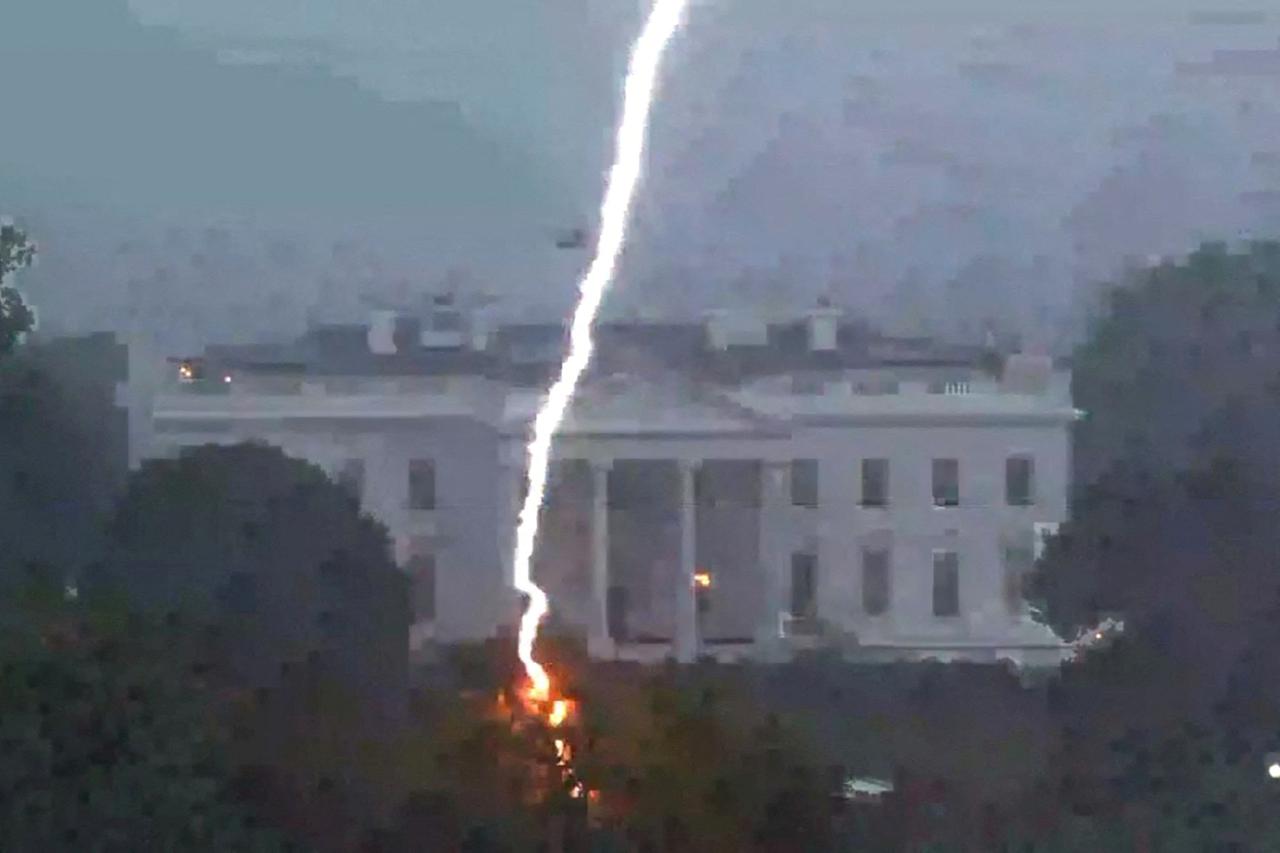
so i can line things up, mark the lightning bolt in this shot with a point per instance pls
(664, 21)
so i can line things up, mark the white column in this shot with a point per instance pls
(600, 639)
(510, 486)
(687, 640)
(774, 556)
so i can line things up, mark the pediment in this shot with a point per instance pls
(631, 403)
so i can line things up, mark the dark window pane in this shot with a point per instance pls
(804, 482)
(946, 482)
(1019, 480)
(1018, 564)
(875, 482)
(875, 581)
(351, 478)
(422, 580)
(946, 583)
(422, 484)
(616, 613)
(804, 579)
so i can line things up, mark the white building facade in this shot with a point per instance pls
(735, 488)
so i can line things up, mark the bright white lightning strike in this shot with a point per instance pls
(638, 93)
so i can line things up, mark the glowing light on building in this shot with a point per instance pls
(638, 94)
(702, 579)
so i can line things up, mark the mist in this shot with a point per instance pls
(923, 167)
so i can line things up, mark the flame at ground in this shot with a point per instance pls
(638, 93)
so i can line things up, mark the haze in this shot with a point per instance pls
(923, 167)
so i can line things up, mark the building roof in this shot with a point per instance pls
(530, 353)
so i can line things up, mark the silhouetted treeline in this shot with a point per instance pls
(217, 643)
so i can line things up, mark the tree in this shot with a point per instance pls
(1176, 342)
(16, 318)
(1177, 470)
(274, 557)
(1178, 467)
(63, 453)
(689, 761)
(111, 742)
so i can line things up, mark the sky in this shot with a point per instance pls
(932, 165)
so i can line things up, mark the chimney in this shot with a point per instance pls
(824, 326)
(382, 332)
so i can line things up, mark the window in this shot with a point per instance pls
(804, 589)
(616, 613)
(875, 482)
(422, 484)
(421, 569)
(875, 581)
(1019, 480)
(946, 583)
(946, 482)
(804, 482)
(351, 478)
(1043, 531)
(1018, 564)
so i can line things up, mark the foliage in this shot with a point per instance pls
(1176, 342)
(1178, 469)
(109, 742)
(16, 318)
(62, 456)
(274, 558)
(688, 761)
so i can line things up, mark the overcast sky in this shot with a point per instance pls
(968, 151)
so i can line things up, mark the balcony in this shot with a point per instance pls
(299, 398)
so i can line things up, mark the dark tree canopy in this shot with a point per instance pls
(16, 252)
(63, 453)
(1176, 343)
(1177, 463)
(274, 555)
(110, 742)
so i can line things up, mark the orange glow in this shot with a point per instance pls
(702, 579)
(556, 713)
